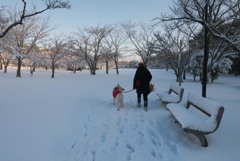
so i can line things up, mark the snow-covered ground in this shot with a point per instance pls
(72, 118)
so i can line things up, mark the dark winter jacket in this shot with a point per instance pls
(142, 80)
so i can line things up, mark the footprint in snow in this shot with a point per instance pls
(131, 150)
(115, 145)
(173, 147)
(140, 138)
(103, 137)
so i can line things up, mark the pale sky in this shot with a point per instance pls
(85, 13)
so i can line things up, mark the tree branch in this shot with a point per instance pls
(49, 4)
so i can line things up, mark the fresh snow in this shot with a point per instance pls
(166, 97)
(193, 118)
(173, 97)
(183, 115)
(72, 118)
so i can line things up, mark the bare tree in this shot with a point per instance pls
(114, 43)
(6, 58)
(6, 55)
(219, 49)
(106, 56)
(88, 45)
(7, 23)
(73, 62)
(211, 14)
(142, 39)
(219, 12)
(173, 44)
(217, 53)
(25, 38)
(55, 50)
(35, 58)
(217, 63)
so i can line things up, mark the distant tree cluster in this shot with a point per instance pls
(184, 33)
(178, 44)
(20, 32)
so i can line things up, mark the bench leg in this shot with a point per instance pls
(202, 139)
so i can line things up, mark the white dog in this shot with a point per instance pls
(118, 96)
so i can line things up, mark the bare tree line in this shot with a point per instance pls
(219, 20)
(30, 42)
(20, 32)
(174, 45)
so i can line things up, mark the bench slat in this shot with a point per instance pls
(204, 104)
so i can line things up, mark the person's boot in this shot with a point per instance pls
(139, 103)
(145, 106)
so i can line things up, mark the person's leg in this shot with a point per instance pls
(145, 99)
(139, 99)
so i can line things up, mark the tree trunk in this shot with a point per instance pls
(1, 65)
(194, 78)
(116, 64)
(184, 75)
(206, 52)
(106, 67)
(93, 71)
(94, 67)
(53, 70)
(19, 67)
(176, 74)
(31, 71)
(5, 68)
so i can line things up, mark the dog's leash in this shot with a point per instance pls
(128, 91)
(157, 94)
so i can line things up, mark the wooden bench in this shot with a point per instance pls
(200, 116)
(174, 95)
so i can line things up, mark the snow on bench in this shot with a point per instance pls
(200, 116)
(174, 95)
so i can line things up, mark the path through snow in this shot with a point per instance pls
(123, 135)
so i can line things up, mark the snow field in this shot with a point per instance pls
(72, 118)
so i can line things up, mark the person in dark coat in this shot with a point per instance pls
(141, 83)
